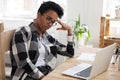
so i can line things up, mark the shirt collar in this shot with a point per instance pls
(33, 29)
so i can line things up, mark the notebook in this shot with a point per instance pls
(100, 64)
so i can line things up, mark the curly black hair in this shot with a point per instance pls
(49, 5)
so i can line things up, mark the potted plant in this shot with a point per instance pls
(81, 32)
(117, 11)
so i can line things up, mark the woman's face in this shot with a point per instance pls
(47, 20)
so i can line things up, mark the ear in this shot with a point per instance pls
(39, 14)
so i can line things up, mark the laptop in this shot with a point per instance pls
(100, 64)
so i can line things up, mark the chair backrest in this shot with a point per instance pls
(5, 38)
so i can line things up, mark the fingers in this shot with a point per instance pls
(63, 26)
(59, 22)
(41, 77)
(58, 28)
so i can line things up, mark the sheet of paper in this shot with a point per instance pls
(87, 56)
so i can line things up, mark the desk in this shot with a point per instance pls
(111, 74)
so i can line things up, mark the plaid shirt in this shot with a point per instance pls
(25, 51)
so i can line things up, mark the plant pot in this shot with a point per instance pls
(82, 41)
(117, 11)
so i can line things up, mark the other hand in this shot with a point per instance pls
(65, 27)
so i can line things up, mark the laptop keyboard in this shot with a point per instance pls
(85, 73)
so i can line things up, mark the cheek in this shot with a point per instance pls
(43, 22)
(42, 25)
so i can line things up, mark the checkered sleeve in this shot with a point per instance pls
(63, 49)
(20, 51)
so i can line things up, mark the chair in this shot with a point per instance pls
(5, 38)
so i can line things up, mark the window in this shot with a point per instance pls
(19, 8)
(24, 8)
(1, 8)
(110, 6)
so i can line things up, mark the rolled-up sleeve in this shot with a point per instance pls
(63, 49)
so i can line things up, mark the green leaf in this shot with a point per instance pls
(79, 29)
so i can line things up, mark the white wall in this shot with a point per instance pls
(93, 19)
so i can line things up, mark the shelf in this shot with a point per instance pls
(105, 38)
(113, 19)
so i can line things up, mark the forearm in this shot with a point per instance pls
(69, 49)
(22, 59)
(32, 70)
(70, 46)
(70, 31)
(26, 64)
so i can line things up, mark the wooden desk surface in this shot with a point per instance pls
(111, 74)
